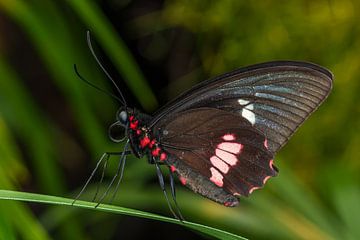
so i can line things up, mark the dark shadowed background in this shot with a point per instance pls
(53, 127)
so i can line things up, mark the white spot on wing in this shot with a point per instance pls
(250, 107)
(243, 102)
(248, 114)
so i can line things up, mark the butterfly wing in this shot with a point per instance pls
(220, 146)
(222, 134)
(274, 97)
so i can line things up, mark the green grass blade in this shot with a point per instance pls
(39, 198)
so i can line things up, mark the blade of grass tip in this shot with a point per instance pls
(15, 217)
(117, 51)
(35, 132)
(23, 221)
(47, 199)
(15, 214)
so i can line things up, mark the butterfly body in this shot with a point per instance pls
(142, 140)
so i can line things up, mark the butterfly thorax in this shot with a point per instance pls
(143, 142)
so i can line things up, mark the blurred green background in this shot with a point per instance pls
(53, 127)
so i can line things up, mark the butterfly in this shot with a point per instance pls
(220, 137)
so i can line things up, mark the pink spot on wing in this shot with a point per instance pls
(253, 189)
(271, 164)
(227, 157)
(265, 179)
(216, 177)
(219, 164)
(266, 144)
(229, 137)
(230, 147)
(182, 180)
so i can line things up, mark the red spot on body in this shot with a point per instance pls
(134, 125)
(227, 204)
(266, 144)
(229, 137)
(163, 156)
(155, 152)
(182, 180)
(145, 141)
(216, 177)
(151, 144)
(227, 157)
(172, 168)
(230, 147)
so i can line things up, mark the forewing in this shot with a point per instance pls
(275, 98)
(222, 147)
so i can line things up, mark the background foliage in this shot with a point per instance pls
(53, 127)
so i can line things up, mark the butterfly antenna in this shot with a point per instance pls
(102, 67)
(96, 87)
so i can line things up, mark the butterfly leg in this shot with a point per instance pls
(120, 178)
(104, 158)
(162, 185)
(102, 177)
(173, 194)
(119, 170)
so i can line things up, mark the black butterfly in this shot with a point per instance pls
(220, 137)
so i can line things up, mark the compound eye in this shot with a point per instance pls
(123, 117)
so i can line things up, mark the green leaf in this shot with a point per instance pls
(39, 198)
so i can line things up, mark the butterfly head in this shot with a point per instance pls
(122, 117)
(118, 130)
